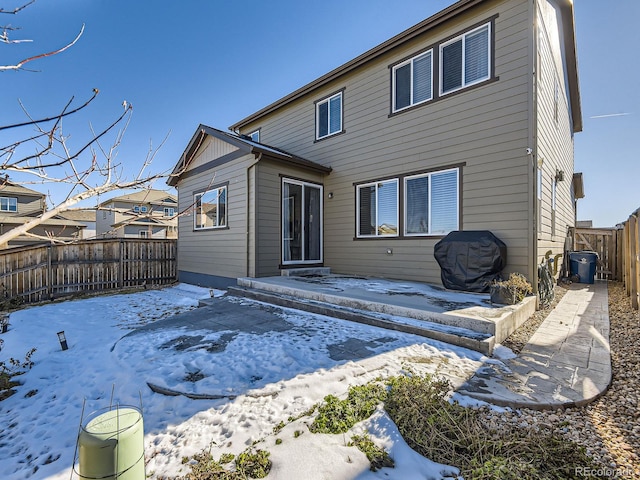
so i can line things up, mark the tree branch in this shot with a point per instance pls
(20, 64)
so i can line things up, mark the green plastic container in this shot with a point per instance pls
(112, 445)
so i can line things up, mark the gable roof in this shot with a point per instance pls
(566, 7)
(152, 196)
(7, 187)
(244, 144)
(81, 215)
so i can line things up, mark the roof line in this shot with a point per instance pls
(408, 34)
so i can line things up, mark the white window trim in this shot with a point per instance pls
(195, 203)
(430, 175)
(143, 234)
(257, 134)
(393, 77)
(327, 101)
(9, 199)
(461, 38)
(169, 211)
(376, 235)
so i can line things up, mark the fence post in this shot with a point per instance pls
(636, 261)
(49, 273)
(121, 264)
(633, 260)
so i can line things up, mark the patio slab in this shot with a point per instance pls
(400, 300)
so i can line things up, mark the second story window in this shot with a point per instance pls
(465, 60)
(329, 116)
(8, 204)
(255, 136)
(413, 81)
(169, 211)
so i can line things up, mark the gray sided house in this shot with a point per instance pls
(143, 214)
(19, 205)
(464, 121)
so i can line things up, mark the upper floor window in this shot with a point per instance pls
(413, 81)
(431, 203)
(378, 209)
(211, 209)
(465, 60)
(255, 136)
(169, 211)
(329, 116)
(140, 209)
(8, 204)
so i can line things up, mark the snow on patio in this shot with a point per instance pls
(265, 377)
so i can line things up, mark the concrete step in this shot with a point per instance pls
(483, 343)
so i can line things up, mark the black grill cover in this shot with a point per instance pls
(470, 260)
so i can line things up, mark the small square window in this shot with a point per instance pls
(8, 204)
(255, 136)
(211, 209)
(169, 211)
(329, 116)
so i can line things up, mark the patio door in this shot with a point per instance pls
(301, 222)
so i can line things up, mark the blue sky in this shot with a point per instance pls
(201, 61)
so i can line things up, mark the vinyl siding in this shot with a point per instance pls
(27, 205)
(219, 252)
(486, 128)
(555, 140)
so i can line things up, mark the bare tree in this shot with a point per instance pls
(41, 152)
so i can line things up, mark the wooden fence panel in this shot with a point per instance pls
(603, 241)
(47, 271)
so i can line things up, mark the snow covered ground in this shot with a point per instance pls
(266, 379)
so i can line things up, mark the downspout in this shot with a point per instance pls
(532, 150)
(248, 210)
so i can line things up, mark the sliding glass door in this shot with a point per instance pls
(301, 222)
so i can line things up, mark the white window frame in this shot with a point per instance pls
(328, 102)
(411, 61)
(143, 234)
(430, 175)
(377, 223)
(461, 38)
(255, 136)
(196, 202)
(169, 211)
(10, 202)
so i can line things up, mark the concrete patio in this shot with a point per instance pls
(461, 318)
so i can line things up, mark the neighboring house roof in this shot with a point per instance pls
(156, 197)
(7, 187)
(85, 215)
(244, 144)
(457, 8)
(21, 220)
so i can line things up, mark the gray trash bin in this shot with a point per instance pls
(583, 264)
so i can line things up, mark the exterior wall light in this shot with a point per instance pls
(63, 340)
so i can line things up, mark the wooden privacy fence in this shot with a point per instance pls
(631, 257)
(607, 243)
(37, 273)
